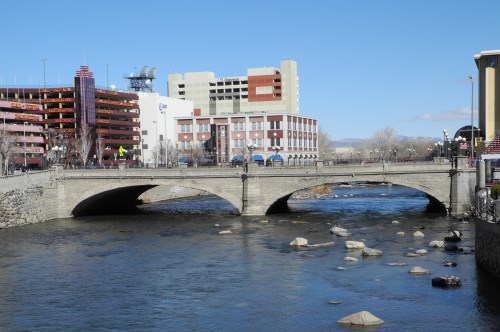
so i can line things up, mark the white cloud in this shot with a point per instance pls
(459, 114)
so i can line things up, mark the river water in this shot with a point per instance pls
(168, 269)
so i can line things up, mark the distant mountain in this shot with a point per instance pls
(353, 142)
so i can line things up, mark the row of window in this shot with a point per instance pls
(237, 90)
(257, 142)
(240, 126)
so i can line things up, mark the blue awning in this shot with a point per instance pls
(257, 157)
(237, 158)
(276, 157)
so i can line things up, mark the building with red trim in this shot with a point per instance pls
(113, 117)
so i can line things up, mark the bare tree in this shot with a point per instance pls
(325, 145)
(99, 148)
(84, 142)
(8, 143)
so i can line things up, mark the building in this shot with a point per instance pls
(262, 91)
(489, 94)
(158, 132)
(21, 136)
(220, 139)
(112, 116)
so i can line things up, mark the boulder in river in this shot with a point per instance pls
(354, 245)
(436, 244)
(371, 252)
(446, 281)
(363, 318)
(336, 230)
(419, 270)
(299, 241)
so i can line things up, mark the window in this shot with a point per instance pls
(275, 141)
(239, 126)
(184, 145)
(492, 61)
(185, 128)
(256, 125)
(204, 127)
(144, 132)
(239, 143)
(257, 142)
(275, 124)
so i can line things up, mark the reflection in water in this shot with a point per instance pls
(168, 269)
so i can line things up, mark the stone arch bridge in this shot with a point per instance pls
(257, 192)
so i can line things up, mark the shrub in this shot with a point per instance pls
(495, 191)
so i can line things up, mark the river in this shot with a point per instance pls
(167, 269)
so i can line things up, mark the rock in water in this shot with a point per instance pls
(446, 281)
(419, 270)
(354, 245)
(371, 252)
(436, 244)
(299, 241)
(336, 230)
(418, 234)
(364, 318)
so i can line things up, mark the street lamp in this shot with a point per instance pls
(156, 138)
(142, 151)
(24, 134)
(472, 118)
(276, 149)
(251, 147)
(165, 136)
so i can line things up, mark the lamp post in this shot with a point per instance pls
(165, 136)
(142, 151)
(445, 140)
(156, 138)
(250, 147)
(472, 118)
(24, 136)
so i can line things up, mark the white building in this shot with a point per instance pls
(158, 130)
(263, 91)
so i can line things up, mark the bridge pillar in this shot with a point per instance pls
(462, 191)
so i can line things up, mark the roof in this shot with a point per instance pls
(493, 150)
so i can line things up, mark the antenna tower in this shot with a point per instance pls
(143, 81)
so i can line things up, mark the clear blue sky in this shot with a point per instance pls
(363, 65)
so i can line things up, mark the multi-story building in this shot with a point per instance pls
(158, 133)
(221, 138)
(262, 91)
(113, 117)
(21, 135)
(489, 94)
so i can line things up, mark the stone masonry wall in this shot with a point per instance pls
(22, 206)
(488, 246)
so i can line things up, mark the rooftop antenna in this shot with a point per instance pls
(44, 80)
(142, 81)
(107, 78)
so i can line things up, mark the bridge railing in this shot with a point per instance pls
(24, 180)
(255, 170)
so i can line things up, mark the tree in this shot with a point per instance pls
(84, 143)
(8, 143)
(325, 145)
(99, 148)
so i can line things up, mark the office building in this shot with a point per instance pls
(489, 94)
(262, 91)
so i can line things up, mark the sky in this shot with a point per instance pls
(363, 65)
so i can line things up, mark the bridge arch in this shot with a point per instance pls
(439, 198)
(116, 196)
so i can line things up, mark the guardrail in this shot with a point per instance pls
(24, 180)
